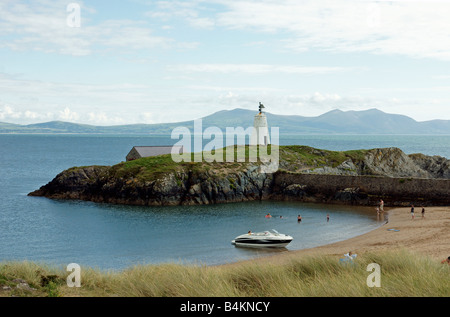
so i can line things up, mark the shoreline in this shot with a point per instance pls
(313, 272)
(429, 236)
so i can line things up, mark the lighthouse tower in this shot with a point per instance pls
(260, 135)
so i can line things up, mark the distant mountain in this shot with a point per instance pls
(372, 121)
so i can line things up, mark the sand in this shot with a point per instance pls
(429, 236)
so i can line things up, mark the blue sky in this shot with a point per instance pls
(142, 61)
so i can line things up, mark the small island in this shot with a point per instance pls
(357, 177)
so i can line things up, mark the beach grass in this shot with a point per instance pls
(403, 274)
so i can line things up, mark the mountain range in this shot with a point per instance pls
(372, 121)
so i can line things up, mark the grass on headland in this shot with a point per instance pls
(291, 157)
(234, 157)
(402, 274)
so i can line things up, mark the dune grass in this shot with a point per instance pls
(402, 274)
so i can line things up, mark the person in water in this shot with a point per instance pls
(381, 205)
(268, 215)
(299, 218)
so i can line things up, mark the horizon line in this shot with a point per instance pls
(207, 115)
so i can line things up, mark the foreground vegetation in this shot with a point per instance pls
(402, 274)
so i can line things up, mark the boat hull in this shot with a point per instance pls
(261, 243)
(266, 239)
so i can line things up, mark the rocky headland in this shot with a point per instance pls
(361, 177)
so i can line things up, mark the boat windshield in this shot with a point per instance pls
(272, 232)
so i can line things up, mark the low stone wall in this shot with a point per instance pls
(362, 190)
(101, 184)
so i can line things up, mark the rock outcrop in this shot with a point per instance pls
(160, 181)
(186, 187)
(390, 162)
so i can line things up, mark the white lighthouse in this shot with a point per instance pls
(260, 135)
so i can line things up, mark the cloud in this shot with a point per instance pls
(8, 112)
(43, 27)
(311, 104)
(187, 11)
(199, 105)
(32, 115)
(68, 115)
(100, 104)
(102, 118)
(26, 100)
(254, 68)
(445, 77)
(412, 28)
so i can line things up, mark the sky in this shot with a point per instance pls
(116, 62)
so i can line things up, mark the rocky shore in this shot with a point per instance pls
(352, 177)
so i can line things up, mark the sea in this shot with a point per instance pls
(115, 237)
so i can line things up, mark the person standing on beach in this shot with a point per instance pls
(423, 212)
(412, 211)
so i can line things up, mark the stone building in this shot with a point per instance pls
(138, 152)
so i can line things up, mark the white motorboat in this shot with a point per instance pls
(265, 239)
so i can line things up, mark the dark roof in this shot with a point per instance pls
(145, 151)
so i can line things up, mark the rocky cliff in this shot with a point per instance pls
(389, 162)
(160, 181)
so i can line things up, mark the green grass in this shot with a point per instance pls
(145, 168)
(312, 157)
(151, 167)
(402, 274)
(291, 158)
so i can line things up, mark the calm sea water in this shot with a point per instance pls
(114, 237)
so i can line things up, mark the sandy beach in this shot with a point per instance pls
(429, 236)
